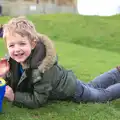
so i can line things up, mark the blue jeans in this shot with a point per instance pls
(103, 88)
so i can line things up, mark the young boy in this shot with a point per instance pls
(36, 77)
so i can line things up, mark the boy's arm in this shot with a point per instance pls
(36, 99)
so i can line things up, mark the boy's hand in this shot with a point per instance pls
(9, 94)
(4, 67)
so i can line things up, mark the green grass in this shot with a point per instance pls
(87, 45)
(97, 32)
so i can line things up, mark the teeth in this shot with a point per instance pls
(19, 54)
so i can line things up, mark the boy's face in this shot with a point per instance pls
(19, 47)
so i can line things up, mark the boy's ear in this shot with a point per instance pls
(33, 44)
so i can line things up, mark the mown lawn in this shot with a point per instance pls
(87, 45)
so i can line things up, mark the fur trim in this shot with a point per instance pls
(50, 57)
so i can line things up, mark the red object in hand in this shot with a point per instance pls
(4, 67)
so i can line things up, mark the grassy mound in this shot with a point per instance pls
(95, 32)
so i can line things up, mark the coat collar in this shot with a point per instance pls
(43, 56)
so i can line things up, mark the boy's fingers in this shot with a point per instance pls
(4, 67)
(2, 58)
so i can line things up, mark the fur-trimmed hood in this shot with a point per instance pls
(50, 53)
(43, 56)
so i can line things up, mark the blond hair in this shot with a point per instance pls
(22, 26)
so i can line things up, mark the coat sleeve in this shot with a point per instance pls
(39, 96)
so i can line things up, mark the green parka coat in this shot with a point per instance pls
(43, 78)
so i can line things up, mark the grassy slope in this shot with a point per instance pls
(97, 32)
(85, 62)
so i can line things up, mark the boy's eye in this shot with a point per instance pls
(11, 45)
(22, 43)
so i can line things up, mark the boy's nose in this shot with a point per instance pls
(17, 49)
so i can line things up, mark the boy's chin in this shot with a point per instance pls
(20, 61)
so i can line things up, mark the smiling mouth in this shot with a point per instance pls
(19, 54)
